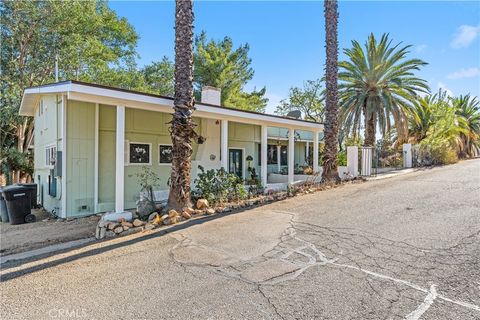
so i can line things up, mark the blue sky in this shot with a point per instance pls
(287, 38)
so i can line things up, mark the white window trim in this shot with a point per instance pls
(49, 146)
(139, 164)
(163, 144)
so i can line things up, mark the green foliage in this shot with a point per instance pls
(148, 179)
(218, 186)
(159, 77)
(377, 83)
(219, 65)
(342, 158)
(308, 99)
(468, 108)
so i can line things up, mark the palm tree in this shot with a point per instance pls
(182, 129)
(468, 108)
(330, 171)
(421, 118)
(379, 85)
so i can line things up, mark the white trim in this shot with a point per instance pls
(49, 146)
(164, 164)
(95, 161)
(291, 155)
(243, 160)
(263, 155)
(224, 145)
(64, 158)
(315, 151)
(113, 96)
(139, 164)
(120, 159)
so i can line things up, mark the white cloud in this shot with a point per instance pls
(465, 36)
(442, 86)
(465, 73)
(421, 48)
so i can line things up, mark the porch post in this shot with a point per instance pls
(224, 145)
(95, 164)
(263, 156)
(291, 154)
(120, 159)
(315, 151)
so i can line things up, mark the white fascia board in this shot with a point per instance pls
(31, 97)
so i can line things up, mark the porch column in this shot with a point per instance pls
(315, 151)
(263, 155)
(291, 154)
(224, 145)
(120, 159)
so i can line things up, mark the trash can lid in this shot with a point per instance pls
(13, 192)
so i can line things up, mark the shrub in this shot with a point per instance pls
(148, 179)
(218, 186)
(342, 158)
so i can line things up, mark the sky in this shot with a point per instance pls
(287, 38)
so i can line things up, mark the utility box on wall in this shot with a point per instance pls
(407, 155)
(57, 168)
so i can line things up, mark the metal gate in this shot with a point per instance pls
(368, 161)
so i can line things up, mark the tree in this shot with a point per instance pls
(159, 77)
(378, 83)
(468, 108)
(182, 130)
(308, 100)
(219, 65)
(89, 39)
(330, 166)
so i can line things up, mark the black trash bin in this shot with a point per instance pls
(18, 203)
(32, 187)
(3, 207)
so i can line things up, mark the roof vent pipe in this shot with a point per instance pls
(211, 95)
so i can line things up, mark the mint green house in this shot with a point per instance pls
(90, 141)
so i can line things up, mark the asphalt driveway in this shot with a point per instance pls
(407, 247)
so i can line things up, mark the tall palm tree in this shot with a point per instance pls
(182, 129)
(468, 108)
(330, 166)
(378, 85)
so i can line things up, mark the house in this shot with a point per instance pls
(92, 140)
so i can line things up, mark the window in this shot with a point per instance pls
(271, 154)
(139, 153)
(165, 153)
(50, 155)
(283, 156)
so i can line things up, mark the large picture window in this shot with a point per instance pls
(271, 154)
(165, 153)
(140, 153)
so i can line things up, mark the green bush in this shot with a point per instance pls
(218, 186)
(342, 158)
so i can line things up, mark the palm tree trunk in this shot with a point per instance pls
(370, 130)
(182, 129)
(330, 171)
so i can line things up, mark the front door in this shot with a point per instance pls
(235, 162)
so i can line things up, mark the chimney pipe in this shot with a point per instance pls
(211, 95)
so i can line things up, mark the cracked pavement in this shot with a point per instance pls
(406, 247)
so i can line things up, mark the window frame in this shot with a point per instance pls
(149, 155)
(164, 163)
(49, 155)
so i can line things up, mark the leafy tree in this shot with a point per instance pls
(182, 130)
(159, 77)
(91, 41)
(308, 100)
(218, 64)
(378, 84)
(330, 164)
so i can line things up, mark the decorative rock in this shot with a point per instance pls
(174, 220)
(202, 204)
(125, 228)
(145, 207)
(127, 224)
(210, 211)
(116, 216)
(149, 226)
(190, 211)
(166, 221)
(118, 230)
(152, 216)
(172, 213)
(102, 233)
(165, 216)
(157, 220)
(186, 215)
(111, 225)
(197, 211)
(137, 223)
(102, 223)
